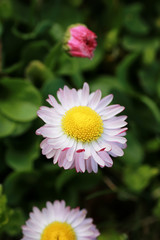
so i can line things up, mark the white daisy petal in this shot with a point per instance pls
(97, 158)
(95, 99)
(115, 122)
(47, 149)
(94, 165)
(114, 132)
(104, 144)
(50, 154)
(85, 94)
(58, 108)
(104, 102)
(82, 131)
(75, 97)
(61, 158)
(107, 159)
(58, 152)
(88, 165)
(116, 150)
(112, 112)
(87, 152)
(81, 161)
(49, 131)
(113, 138)
(48, 116)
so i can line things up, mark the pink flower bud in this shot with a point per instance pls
(79, 41)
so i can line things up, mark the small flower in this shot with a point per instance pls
(79, 41)
(82, 132)
(58, 222)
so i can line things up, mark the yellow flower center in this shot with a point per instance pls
(82, 123)
(58, 231)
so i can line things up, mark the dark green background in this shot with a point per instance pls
(123, 200)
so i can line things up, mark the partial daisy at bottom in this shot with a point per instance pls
(82, 131)
(59, 222)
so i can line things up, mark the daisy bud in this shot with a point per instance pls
(79, 41)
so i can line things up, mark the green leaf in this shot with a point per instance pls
(133, 21)
(1, 28)
(111, 39)
(140, 44)
(6, 9)
(19, 100)
(15, 67)
(53, 56)
(16, 220)
(133, 146)
(106, 84)
(113, 235)
(138, 179)
(3, 209)
(6, 126)
(40, 28)
(13, 184)
(56, 32)
(151, 105)
(123, 69)
(35, 50)
(63, 178)
(21, 128)
(153, 145)
(156, 209)
(149, 78)
(20, 154)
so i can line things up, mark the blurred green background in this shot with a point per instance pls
(123, 200)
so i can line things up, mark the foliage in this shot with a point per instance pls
(125, 199)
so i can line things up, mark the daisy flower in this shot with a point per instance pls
(58, 222)
(82, 131)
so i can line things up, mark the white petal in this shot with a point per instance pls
(97, 158)
(114, 132)
(55, 159)
(75, 97)
(51, 154)
(50, 131)
(47, 149)
(49, 116)
(88, 165)
(56, 105)
(105, 156)
(85, 94)
(104, 144)
(87, 152)
(116, 150)
(103, 103)
(114, 138)
(112, 112)
(94, 165)
(80, 218)
(81, 160)
(60, 142)
(95, 99)
(61, 158)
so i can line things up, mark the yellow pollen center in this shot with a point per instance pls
(58, 231)
(82, 123)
